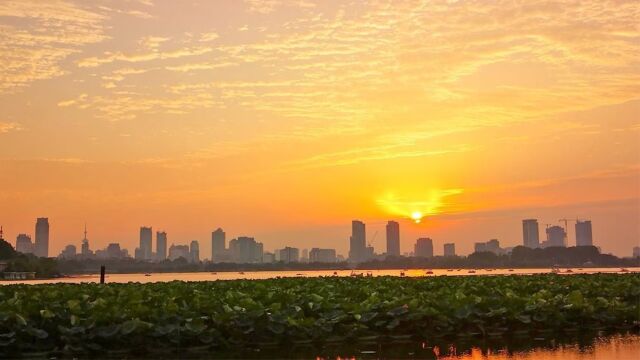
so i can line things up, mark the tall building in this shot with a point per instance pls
(194, 251)
(245, 250)
(584, 236)
(450, 249)
(305, 256)
(530, 233)
(289, 254)
(636, 251)
(24, 244)
(492, 245)
(322, 255)
(423, 248)
(161, 245)
(146, 239)
(556, 236)
(42, 238)
(218, 245)
(85, 251)
(268, 257)
(357, 242)
(393, 238)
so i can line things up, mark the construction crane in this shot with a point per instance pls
(566, 223)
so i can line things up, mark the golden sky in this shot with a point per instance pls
(284, 120)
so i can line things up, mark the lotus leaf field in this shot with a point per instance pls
(165, 317)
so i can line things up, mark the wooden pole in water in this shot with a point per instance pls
(102, 271)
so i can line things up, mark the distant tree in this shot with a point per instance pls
(6, 251)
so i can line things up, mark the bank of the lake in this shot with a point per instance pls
(217, 315)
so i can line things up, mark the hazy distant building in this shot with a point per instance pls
(322, 255)
(636, 251)
(530, 233)
(69, 252)
(161, 245)
(144, 251)
(492, 245)
(218, 245)
(423, 248)
(41, 246)
(194, 251)
(85, 251)
(289, 254)
(556, 236)
(584, 236)
(393, 238)
(358, 242)
(245, 250)
(179, 251)
(24, 244)
(450, 249)
(268, 257)
(305, 256)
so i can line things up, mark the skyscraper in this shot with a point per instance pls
(194, 251)
(556, 237)
(423, 248)
(289, 254)
(357, 242)
(42, 237)
(146, 238)
(584, 236)
(245, 250)
(450, 249)
(218, 245)
(393, 238)
(84, 249)
(530, 234)
(161, 245)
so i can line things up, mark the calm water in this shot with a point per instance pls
(211, 276)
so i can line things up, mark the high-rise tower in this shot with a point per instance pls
(393, 238)
(42, 237)
(530, 233)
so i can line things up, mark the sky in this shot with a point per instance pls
(285, 120)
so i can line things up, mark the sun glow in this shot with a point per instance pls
(421, 205)
(416, 216)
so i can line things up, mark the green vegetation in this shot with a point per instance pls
(15, 261)
(163, 317)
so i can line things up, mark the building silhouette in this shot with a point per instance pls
(358, 242)
(69, 252)
(584, 236)
(289, 254)
(24, 244)
(492, 245)
(450, 249)
(41, 247)
(530, 233)
(556, 236)
(393, 238)
(245, 250)
(194, 252)
(85, 251)
(636, 251)
(179, 251)
(317, 255)
(218, 245)
(161, 245)
(144, 252)
(423, 248)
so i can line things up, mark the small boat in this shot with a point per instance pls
(299, 274)
(624, 270)
(241, 273)
(429, 272)
(335, 273)
(401, 273)
(510, 269)
(214, 273)
(369, 274)
(147, 274)
(569, 271)
(471, 271)
(449, 269)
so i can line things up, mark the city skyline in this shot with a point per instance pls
(240, 249)
(285, 119)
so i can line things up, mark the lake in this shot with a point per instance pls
(235, 275)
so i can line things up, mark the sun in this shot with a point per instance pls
(416, 216)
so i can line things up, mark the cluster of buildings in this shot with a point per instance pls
(245, 249)
(556, 235)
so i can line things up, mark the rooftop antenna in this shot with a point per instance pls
(85, 231)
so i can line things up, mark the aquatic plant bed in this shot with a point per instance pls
(162, 318)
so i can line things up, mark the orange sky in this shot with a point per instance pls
(284, 120)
